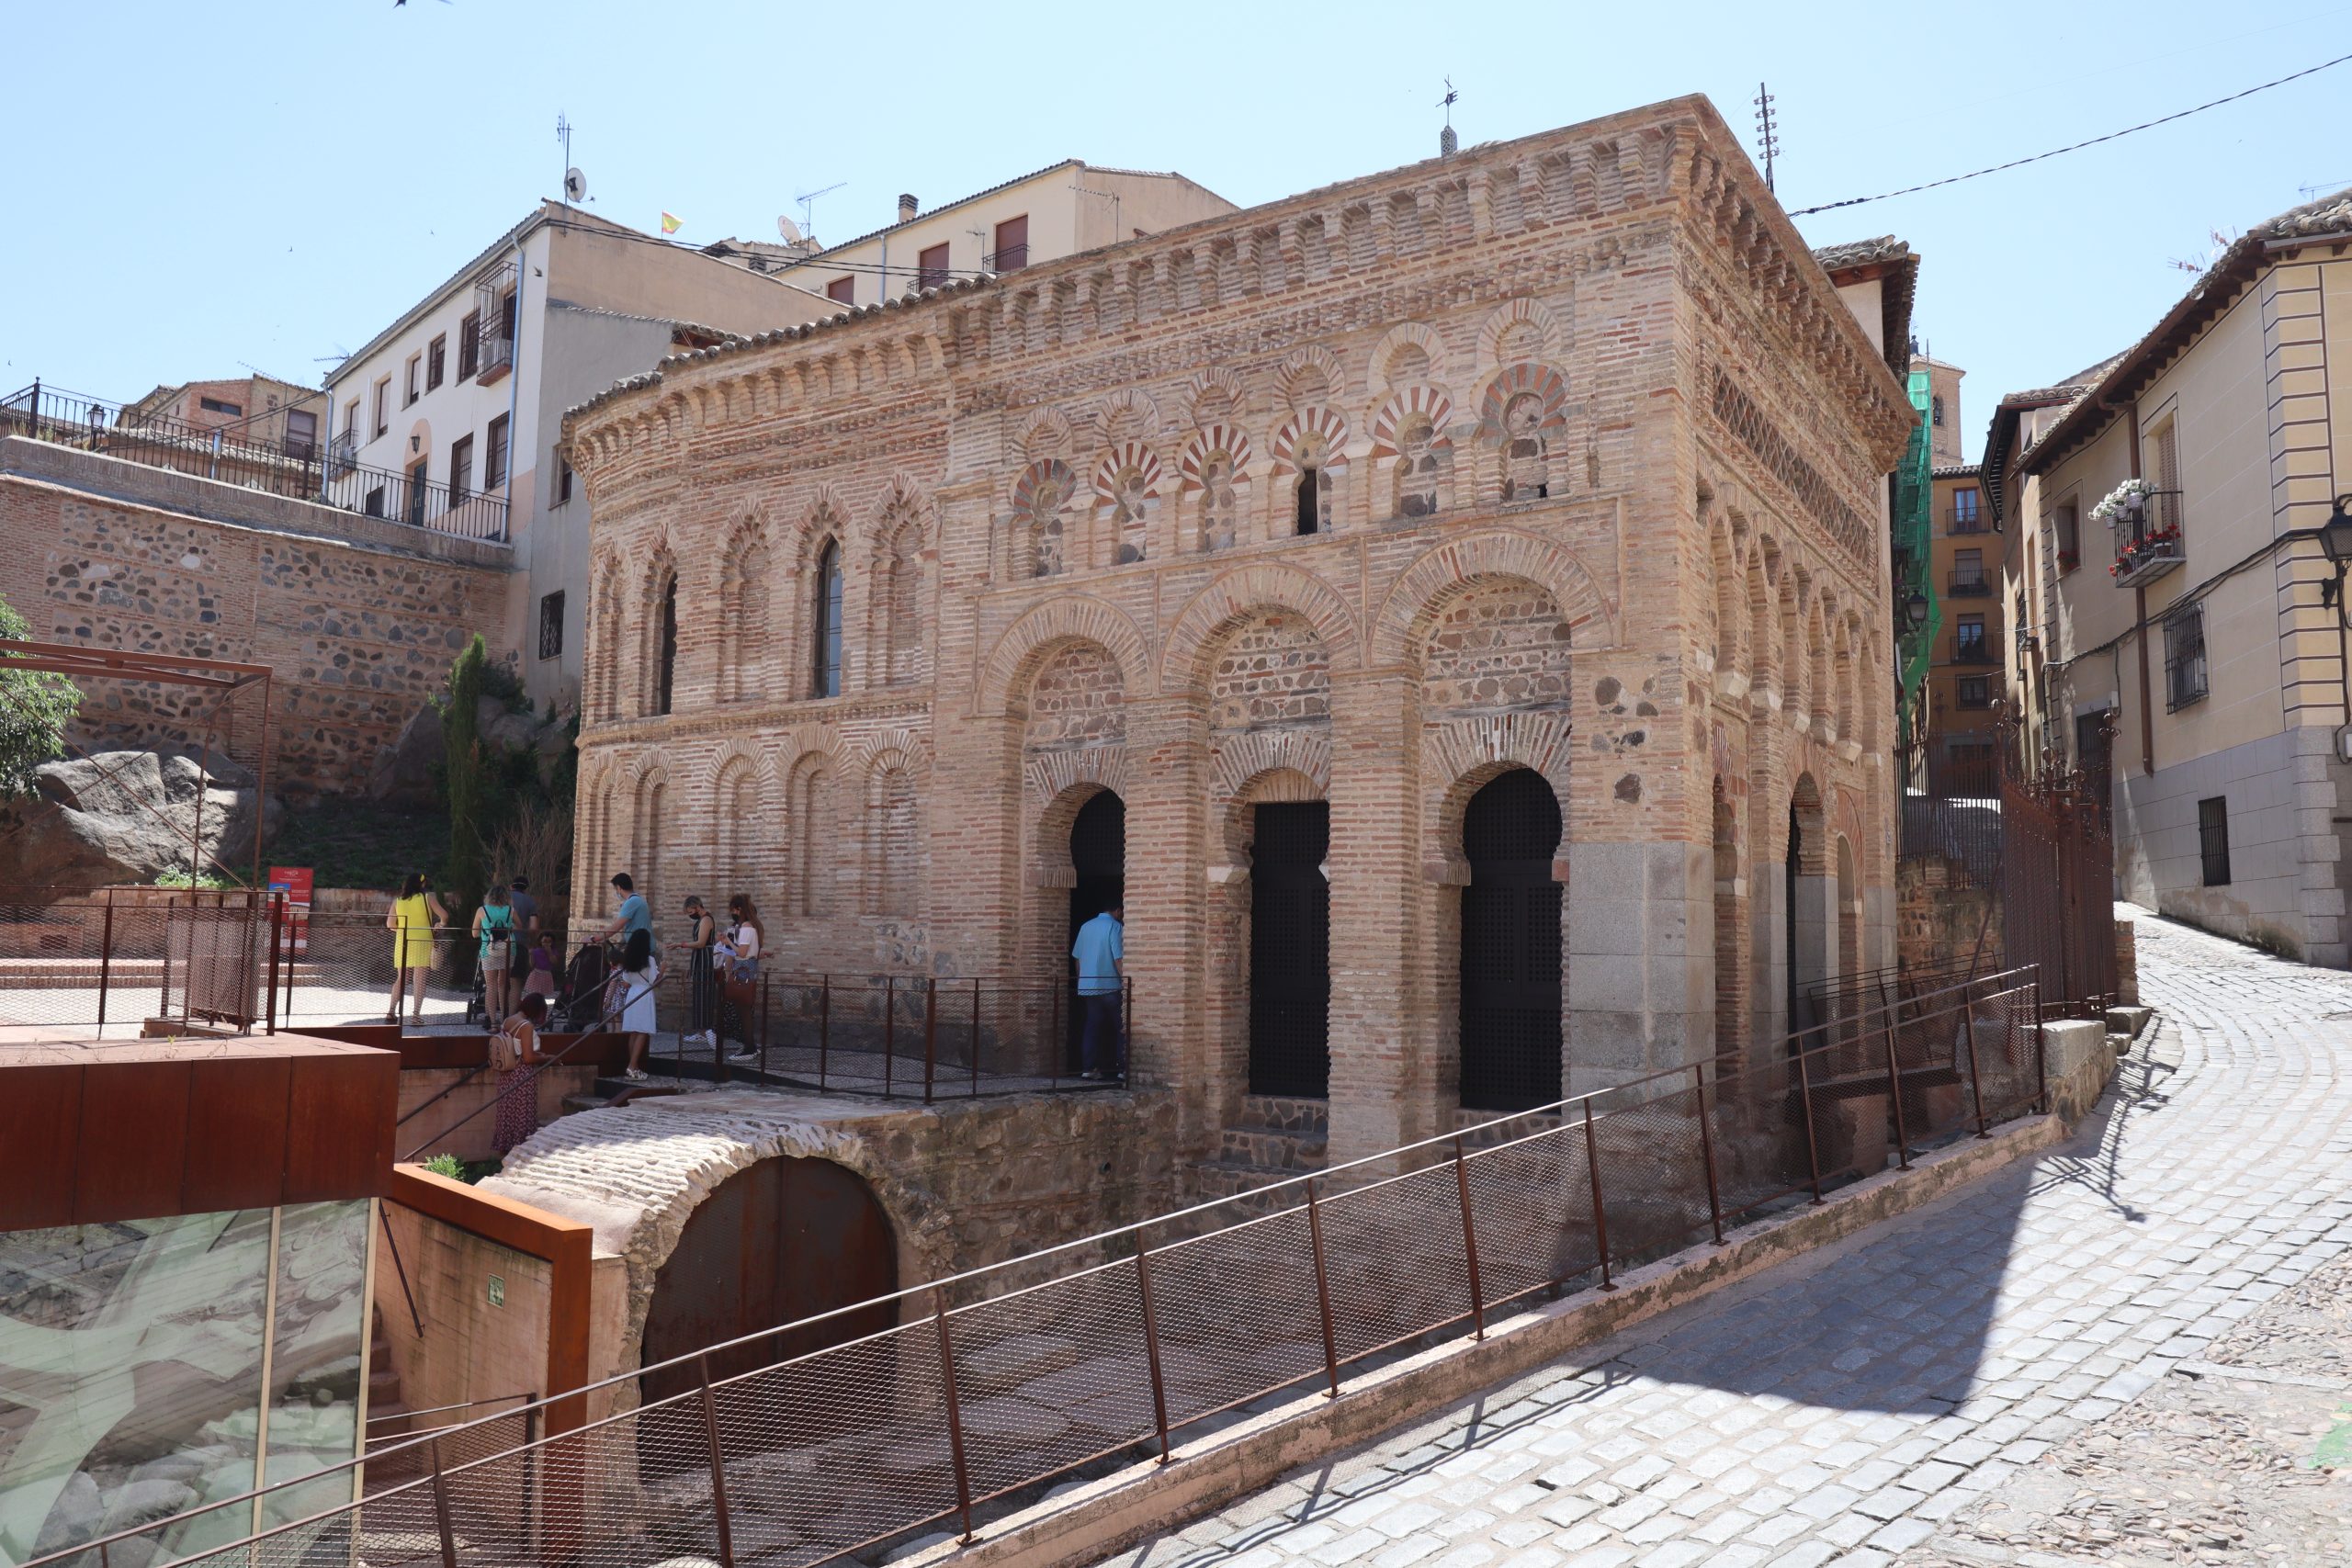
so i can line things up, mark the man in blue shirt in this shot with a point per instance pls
(1101, 946)
(633, 914)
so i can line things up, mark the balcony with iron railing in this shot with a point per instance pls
(298, 468)
(497, 357)
(1974, 650)
(1967, 585)
(2148, 541)
(1965, 520)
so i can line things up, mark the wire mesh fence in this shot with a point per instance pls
(982, 1393)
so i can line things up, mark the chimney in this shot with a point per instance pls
(907, 206)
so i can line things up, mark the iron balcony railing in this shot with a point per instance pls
(1965, 520)
(1967, 585)
(298, 469)
(832, 1436)
(2148, 541)
(1975, 650)
(497, 357)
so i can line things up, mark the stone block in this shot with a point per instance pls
(2076, 1063)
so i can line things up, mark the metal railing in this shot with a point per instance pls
(1975, 650)
(298, 469)
(1965, 520)
(1967, 585)
(932, 1406)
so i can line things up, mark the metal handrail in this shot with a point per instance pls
(2019, 981)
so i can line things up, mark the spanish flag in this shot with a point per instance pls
(670, 222)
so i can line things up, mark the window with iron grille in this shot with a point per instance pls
(2184, 657)
(1972, 691)
(493, 457)
(1012, 252)
(562, 478)
(551, 625)
(469, 346)
(437, 361)
(2213, 840)
(461, 468)
(1968, 644)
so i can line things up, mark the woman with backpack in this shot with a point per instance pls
(493, 929)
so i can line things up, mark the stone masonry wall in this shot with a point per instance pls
(358, 630)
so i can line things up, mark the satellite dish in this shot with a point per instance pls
(788, 231)
(575, 186)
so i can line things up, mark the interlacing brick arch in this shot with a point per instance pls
(1127, 415)
(1518, 330)
(1315, 437)
(1026, 646)
(654, 587)
(1460, 757)
(650, 829)
(1127, 482)
(1764, 652)
(1235, 597)
(744, 805)
(746, 613)
(1309, 376)
(1215, 397)
(892, 832)
(1213, 480)
(1819, 689)
(1409, 432)
(1843, 673)
(1422, 591)
(1730, 595)
(903, 529)
(813, 832)
(1409, 352)
(1042, 494)
(825, 519)
(605, 635)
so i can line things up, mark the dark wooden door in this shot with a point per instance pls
(1290, 951)
(1510, 946)
(1098, 853)
(780, 1241)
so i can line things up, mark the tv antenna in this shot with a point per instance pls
(1446, 140)
(1768, 131)
(575, 184)
(2307, 192)
(808, 200)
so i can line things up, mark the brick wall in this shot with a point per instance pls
(358, 619)
(1646, 564)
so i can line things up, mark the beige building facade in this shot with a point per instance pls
(2177, 584)
(1059, 211)
(1476, 571)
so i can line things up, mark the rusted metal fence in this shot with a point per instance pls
(109, 962)
(992, 1384)
(2058, 891)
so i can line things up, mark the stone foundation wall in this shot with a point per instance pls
(1941, 922)
(358, 617)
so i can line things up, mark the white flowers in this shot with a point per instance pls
(2125, 503)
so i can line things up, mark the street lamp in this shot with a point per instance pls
(1915, 609)
(2335, 539)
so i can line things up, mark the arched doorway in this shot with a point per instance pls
(1098, 853)
(778, 1241)
(1510, 946)
(1290, 951)
(1790, 880)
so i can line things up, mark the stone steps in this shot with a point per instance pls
(1273, 1139)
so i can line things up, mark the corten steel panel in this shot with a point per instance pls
(134, 1135)
(339, 1118)
(40, 1117)
(236, 1134)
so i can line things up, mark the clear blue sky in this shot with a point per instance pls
(189, 185)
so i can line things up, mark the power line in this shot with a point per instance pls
(2110, 136)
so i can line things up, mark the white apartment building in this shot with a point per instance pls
(1057, 211)
(460, 402)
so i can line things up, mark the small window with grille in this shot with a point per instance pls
(2184, 657)
(551, 625)
(2213, 840)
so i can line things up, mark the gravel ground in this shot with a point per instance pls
(2206, 1467)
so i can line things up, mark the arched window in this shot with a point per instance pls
(665, 668)
(825, 642)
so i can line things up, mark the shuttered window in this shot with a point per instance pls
(1012, 244)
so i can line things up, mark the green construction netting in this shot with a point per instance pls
(1914, 563)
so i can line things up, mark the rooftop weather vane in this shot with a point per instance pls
(1767, 132)
(1446, 140)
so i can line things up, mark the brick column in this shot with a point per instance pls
(1166, 888)
(1382, 1068)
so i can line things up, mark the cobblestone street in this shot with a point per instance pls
(1938, 1389)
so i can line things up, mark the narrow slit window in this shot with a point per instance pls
(666, 673)
(1310, 510)
(826, 644)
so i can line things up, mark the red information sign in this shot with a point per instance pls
(295, 883)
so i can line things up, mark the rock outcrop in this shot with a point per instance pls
(127, 816)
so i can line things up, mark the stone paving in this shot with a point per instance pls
(1842, 1409)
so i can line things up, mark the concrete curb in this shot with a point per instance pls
(1090, 1522)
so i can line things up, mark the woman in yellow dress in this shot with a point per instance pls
(411, 921)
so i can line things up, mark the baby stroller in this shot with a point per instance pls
(580, 1000)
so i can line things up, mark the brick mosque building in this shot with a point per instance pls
(1451, 604)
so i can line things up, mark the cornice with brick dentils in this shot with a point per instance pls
(1678, 154)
